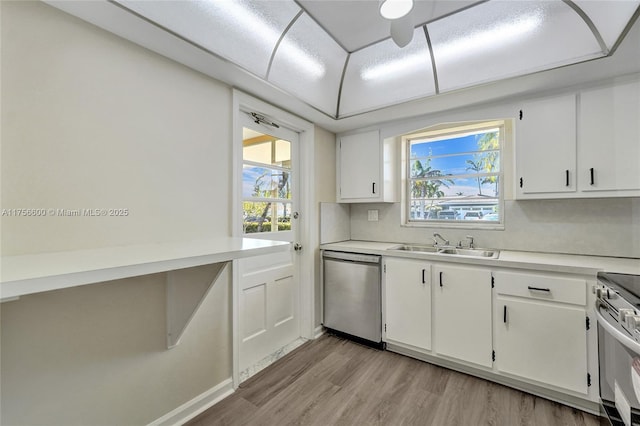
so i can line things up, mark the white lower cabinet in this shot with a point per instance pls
(462, 313)
(541, 329)
(522, 326)
(407, 285)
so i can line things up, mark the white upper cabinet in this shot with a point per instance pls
(609, 132)
(580, 146)
(546, 147)
(365, 168)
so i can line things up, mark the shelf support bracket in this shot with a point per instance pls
(186, 289)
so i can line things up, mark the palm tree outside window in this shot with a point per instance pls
(454, 175)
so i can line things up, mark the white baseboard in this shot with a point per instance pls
(319, 331)
(197, 405)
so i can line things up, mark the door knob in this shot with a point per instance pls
(297, 247)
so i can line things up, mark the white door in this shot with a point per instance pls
(268, 285)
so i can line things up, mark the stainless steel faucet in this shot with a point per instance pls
(471, 244)
(435, 239)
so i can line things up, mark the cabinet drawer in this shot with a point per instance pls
(542, 287)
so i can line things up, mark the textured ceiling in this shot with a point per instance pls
(336, 57)
(332, 61)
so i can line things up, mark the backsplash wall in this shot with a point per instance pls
(603, 227)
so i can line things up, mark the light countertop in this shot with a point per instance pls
(552, 262)
(25, 274)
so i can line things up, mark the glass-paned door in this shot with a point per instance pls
(268, 182)
(268, 284)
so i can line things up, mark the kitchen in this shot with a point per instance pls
(122, 127)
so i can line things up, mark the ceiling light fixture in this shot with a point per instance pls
(394, 9)
(402, 30)
(397, 11)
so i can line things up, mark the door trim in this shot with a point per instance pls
(243, 102)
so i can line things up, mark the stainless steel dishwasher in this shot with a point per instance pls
(352, 295)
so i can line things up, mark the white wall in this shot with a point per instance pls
(92, 121)
(97, 354)
(605, 227)
(325, 181)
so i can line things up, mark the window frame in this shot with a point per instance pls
(445, 131)
(281, 133)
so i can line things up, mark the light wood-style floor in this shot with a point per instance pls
(333, 381)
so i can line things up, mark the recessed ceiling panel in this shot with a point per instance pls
(358, 23)
(308, 63)
(384, 74)
(501, 39)
(609, 17)
(242, 31)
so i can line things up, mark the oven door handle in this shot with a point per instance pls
(617, 334)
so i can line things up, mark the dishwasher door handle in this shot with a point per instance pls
(351, 257)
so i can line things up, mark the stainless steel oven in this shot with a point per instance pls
(618, 314)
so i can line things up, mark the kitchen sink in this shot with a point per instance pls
(408, 247)
(475, 252)
(492, 254)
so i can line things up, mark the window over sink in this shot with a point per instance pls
(453, 176)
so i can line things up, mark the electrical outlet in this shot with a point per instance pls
(372, 215)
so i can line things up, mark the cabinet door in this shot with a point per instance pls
(546, 146)
(462, 313)
(609, 138)
(360, 166)
(542, 342)
(408, 302)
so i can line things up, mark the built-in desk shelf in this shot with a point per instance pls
(35, 273)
